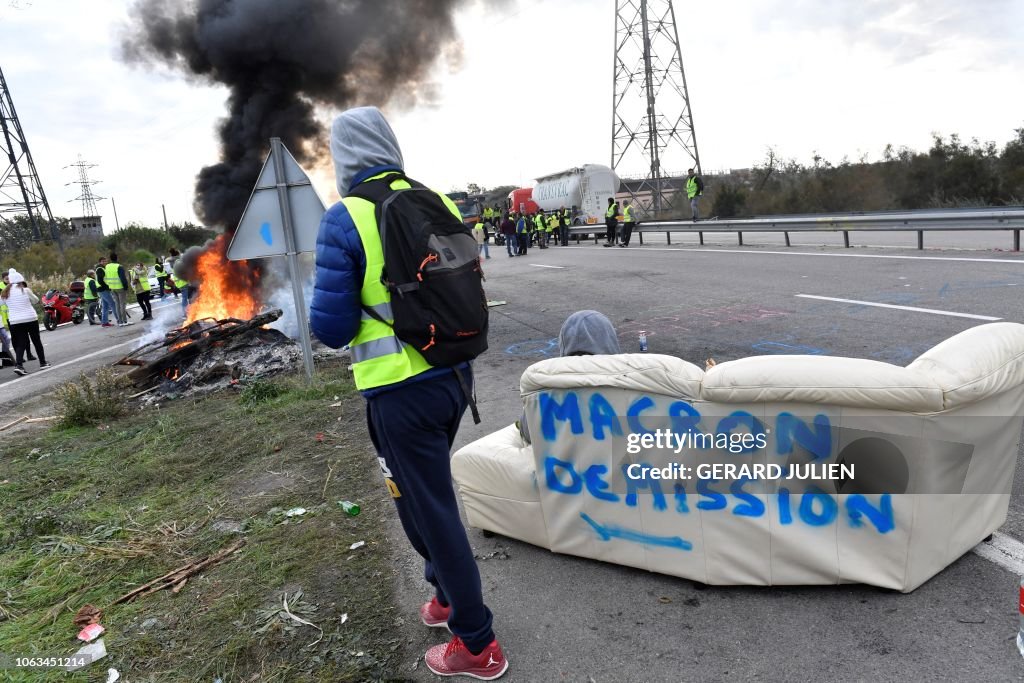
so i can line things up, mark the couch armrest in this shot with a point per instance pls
(980, 362)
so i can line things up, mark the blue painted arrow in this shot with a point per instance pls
(609, 531)
(265, 233)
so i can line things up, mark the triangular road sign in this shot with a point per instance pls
(260, 233)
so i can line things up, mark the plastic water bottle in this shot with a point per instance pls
(349, 508)
(1020, 610)
(643, 341)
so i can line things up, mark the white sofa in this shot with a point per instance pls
(954, 414)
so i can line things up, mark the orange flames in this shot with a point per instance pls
(227, 289)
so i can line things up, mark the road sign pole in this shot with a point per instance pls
(277, 152)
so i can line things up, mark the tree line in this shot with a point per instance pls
(134, 242)
(950, 174)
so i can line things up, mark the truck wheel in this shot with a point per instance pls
(49, 322)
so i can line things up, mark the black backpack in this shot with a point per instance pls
(432, 269)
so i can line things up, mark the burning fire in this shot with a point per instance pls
(227, 289)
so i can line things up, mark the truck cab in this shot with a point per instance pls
(468, 206)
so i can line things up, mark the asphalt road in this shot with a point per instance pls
(72, 349)
(567, 618)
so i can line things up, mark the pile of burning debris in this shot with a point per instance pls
(207, 355)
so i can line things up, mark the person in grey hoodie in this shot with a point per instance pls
(413, 409)
(584, 333)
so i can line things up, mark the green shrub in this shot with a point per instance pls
(190, 235)
(87, 402)
(134, 236)
(140, 256)
(260, 391)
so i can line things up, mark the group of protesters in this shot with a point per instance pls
(520, 231)
(106, 289)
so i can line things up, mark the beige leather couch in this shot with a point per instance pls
(951, 420)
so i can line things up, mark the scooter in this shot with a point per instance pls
(60, 308)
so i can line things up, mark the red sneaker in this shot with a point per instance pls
(454, 659)
(434, 614)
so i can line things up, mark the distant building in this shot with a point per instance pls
(86, 229)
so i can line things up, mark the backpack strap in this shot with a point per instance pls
(379, 193)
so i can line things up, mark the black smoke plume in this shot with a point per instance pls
(281, 60)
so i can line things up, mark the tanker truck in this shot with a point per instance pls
(584, 190)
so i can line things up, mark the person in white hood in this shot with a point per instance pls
(23, 320)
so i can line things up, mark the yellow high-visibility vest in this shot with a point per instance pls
(691, 187)
(379, 356)
(111, 277)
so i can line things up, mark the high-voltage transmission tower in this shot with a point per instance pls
(652, 125)
(87, 198)
(21, 191)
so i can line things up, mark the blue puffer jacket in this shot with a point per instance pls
(340, 267)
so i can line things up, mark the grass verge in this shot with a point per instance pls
(88, 514)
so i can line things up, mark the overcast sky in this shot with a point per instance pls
(532, 92)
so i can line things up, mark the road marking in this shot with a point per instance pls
(1019, 261)
(900, 308)
(538, 265)
(70, 362)
(1003, 550)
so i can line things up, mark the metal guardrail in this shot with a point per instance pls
(1010, 218)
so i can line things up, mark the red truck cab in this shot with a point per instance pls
(521, 200)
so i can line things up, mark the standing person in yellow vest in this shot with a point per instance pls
(117, 280)
(694, 189)
(91, 296)
(611, 221)
(628, 222)
(413, 408)
(183, 286)
(538, 229)
(563, 226)
(140, 285)
(551, 226)
(107, 303)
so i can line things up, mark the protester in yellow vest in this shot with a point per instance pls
(140, 283)
(413, 409)
(91, 296)
(116, 279)
(538, 229)
(611, 221)
(694, 189)
(627, 223)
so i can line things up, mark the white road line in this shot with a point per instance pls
(1003, 550)
(538, 265)
(70, 362)
(1019, 261)
(899, 308)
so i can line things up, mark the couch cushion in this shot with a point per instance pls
(822, 379)
(642, 372)
(980, 362)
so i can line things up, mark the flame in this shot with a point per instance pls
(227, 289)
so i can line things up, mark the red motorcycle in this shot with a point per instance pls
(60, 308)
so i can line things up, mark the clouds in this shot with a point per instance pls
(525, 90)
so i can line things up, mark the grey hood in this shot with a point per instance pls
(362, 139)
(587, 332)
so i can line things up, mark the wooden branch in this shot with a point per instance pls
(7, 426)
(179, 576)
(193, 346)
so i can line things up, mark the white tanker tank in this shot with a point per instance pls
(587, 188)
